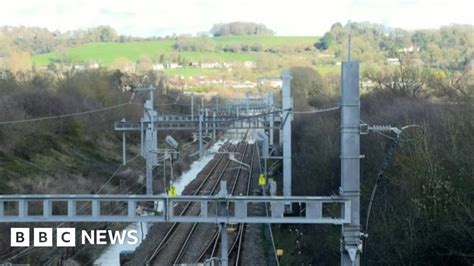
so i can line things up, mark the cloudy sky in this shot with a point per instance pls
(295, 17)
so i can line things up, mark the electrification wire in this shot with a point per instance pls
(386, 162)
(317, 110)
(395, 142)
(280, 111)
(64, 115)
(420, 135)
(113, 175)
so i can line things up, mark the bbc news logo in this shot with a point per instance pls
(66, 237)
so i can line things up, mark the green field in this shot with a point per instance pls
(107, 53)
(268, 42)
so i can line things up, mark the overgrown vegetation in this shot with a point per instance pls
(423, 210)
(73, 154)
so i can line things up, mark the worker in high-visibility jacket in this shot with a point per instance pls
(172, 191)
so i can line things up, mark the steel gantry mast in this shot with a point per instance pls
(287, 106)
(260, 114)
(350, 161)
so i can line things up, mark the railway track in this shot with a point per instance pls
(235, 250)
(172, 247)
(236, 237)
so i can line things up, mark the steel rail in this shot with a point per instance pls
(185, 209)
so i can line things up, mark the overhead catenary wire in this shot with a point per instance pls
(395, 142)
(2, 123)
(104, 109)
(389, 157)
(317, 110)
(281, 111)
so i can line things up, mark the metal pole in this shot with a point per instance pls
(214, 126)
(287, 105)
(192, 106)
(207, 119)
(142, 137)
(150, 142)
(247, 103)
(223, 212)
(272, 118)
(124, 148)
(148, 161)
(349, 53)
(152, 99)
(350, 160)
(224, 245)
(200, 133)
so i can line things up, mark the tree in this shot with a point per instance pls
(407, 79)
(325, 42)
(240, 28)
(305, 82)
(454, 85)
(123, 64)
(420, 39)
(144, 65)
(434, 53)
(19, 61)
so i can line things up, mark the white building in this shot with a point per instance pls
(210, 65)
(172, 65)
(270, 82)
(93, 66)
(250, 64)
(393, 61)
(245, 85)
(409, 49)
(158, 67)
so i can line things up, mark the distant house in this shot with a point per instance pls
(227, 65)
(245, 85)
(79, 67)
(393, 61)
(172, 65)
(93, 66)
(367, 84)
(158, 67)
(129, 67)
(250, 64)
(210, 65)
(409, 49)
(270, 82)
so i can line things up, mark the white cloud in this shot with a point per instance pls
(296, 17)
